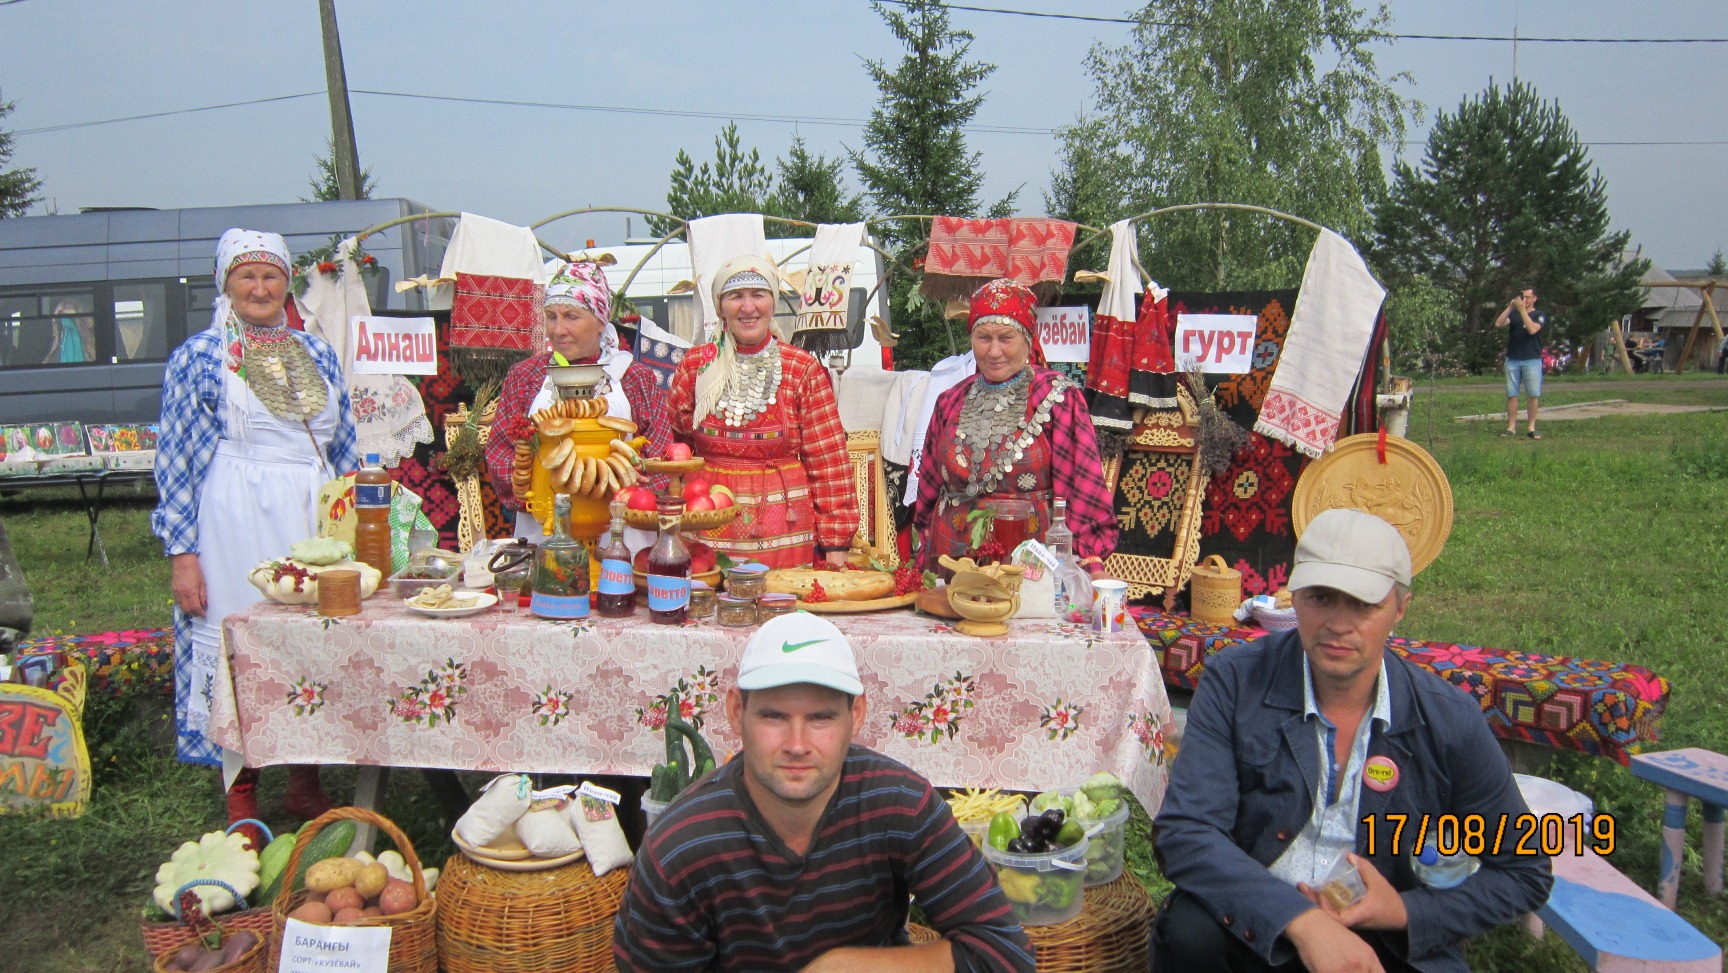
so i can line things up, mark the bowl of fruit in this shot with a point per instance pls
(707, 505)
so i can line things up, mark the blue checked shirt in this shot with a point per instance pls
(192, 426)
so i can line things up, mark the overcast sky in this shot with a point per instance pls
(79, 61)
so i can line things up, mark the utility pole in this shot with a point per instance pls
(347, 154)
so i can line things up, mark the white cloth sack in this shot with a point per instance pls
(501, 804)
(546, 830)
(1329, 333)
(596, 824)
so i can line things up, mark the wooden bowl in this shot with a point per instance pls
(697, 520)
(658, 466)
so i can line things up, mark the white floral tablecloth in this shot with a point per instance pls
(1044, 706)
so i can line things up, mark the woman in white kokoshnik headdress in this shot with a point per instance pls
(255, 419)
(763, 414)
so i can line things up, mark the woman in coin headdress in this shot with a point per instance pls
(255, 419)
(763, 415)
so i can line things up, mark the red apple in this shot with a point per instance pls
(702, 558)
(721, 489)
(640, 561)
(721, 500)
(643, 499)
(699, 503)
(695, 487)
(678, 451)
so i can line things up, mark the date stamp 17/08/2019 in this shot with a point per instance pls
(1478, 835)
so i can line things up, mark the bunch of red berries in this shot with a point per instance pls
(817, 595)
(287, 569)
(907, 579)
(988, 552)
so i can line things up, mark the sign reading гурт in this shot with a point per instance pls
(1222, 344)
(1065, 333)
(393, 346)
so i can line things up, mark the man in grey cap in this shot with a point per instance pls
(1316, 753)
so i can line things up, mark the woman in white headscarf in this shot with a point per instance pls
(255, 419)
(763, 414)
(578, 325)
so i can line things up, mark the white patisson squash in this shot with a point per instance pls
(219, 856)
(277, 584)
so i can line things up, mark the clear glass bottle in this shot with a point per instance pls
(561, 570)
(669, 567)
(617, 590)
(1060, 540)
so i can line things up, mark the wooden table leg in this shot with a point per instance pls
(1673, 848)
(369, 794)
(1713, 817)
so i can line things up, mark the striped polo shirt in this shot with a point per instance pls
(714, 888)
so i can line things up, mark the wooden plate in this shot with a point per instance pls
(697, 520)
(1409, 491)
(657, 466)
(854, 607)
(484, 855)
(505, 847)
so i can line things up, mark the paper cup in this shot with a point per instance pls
(1110, 605)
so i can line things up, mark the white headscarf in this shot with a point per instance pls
(735, 274)
(238, 247)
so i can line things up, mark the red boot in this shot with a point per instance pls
(243, 804)
(305, 797)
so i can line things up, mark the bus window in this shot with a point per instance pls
(54, 328)
(140, 322)
(200, 300)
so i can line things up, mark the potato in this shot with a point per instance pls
(316, 913)
(332, 874)
(189, 954)
(398, 897)
(314, 896)
(346, 897)
(236, 944)
(372, 911)
(344, 916)
(372, 880)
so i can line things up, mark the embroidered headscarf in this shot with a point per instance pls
(237, 247)
(583, 283)
(739, 273)
(1003, 301)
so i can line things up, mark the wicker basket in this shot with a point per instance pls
(1216, 591)
(1108, 936)
(413, 936)
(251, 961)
(165, 937)
(550, 921)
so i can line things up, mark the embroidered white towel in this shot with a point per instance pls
(713, 241)
(1329, 333)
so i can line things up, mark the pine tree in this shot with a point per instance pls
(916, 160)
(325, 189)
(17, 186)
(1506, 197)
(736, 182)
(1269, 102)
(812, 188)
(1717, 267)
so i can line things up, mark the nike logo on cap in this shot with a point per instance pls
(795, 646)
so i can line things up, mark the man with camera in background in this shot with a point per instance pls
(1523, 359)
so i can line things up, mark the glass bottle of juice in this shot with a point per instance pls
(617, 582)
(669, 567)
(561, 570)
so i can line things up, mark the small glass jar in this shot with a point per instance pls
(735, 612)
(748, 580)
(702, 597)
(774, 605)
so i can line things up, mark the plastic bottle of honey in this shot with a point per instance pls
(372, 513)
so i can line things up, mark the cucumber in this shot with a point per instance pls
(332, 842)
(274, 858)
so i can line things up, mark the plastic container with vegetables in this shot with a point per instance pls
(1040, 864)
(1099, 808)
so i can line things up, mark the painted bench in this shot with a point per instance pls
(1685, 774)
(1617, 927)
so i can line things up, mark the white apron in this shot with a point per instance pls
(617, 404)
(260, 496)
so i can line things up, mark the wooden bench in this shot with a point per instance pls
(1617, 927)
(1685, 774)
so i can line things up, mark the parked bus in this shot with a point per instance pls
(92, 305)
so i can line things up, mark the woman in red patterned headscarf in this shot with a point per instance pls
(1016, 430)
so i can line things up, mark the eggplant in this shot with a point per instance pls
(1049, 825)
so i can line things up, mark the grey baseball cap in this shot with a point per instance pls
(1353, 552)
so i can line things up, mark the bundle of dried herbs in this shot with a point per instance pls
(465, 457)
(1218, 436)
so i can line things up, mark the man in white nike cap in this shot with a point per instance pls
(1306, 752)
(800, 853)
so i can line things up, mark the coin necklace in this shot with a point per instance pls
(752, 387)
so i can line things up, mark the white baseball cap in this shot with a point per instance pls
(1353, 552)
(799, 647)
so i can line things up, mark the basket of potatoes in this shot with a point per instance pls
(350, 891)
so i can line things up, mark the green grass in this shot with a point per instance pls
(1607, 539)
